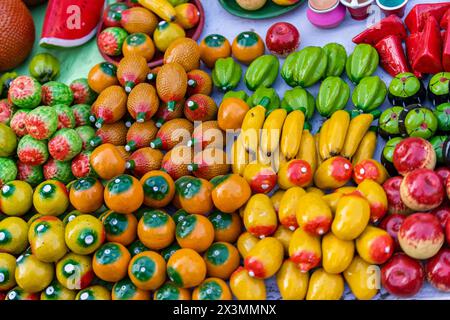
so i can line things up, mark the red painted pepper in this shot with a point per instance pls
(412, 46)
(429, 53)
(417, 17)
(445, 20)
(386, 27)
(392, 56)
(446, 51)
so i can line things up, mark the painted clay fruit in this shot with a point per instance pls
(209, 163)
(110, 106)
(31, 151)
(140, 134)
(392, 189)
(6, 111)
(402, 276)
(175, 161)
(375, 245)
(138, 19)
(25, 92)
(214, 47)
(159, 188)
(107, 161)
(144, 160)
(58, 170)
(65, 144)
(41, 123)
(110, 41)
(172, 133)
(143, 102)
(124, 194)
(199, 81)
(17, 123)
(422, 190)
(17, 35)
(421, 235)
(8, 141)
(230, 192)
(66, 118)
(184, 51)
(102, 76)
(51, 198)
(54, 93)
(413, 153)
(200, 107)
(247, 46)
(114, 133)
(171, 84)
(132, 70)
(82, 92)
(86, 195)
(282, 38)
(438, 270)
(392, 224)
(81, 166)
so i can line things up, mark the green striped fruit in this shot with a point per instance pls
(42, 122)
(82, 113)
(32, 151)
(82, 93)
(8, 170)
(33, 175)
(25, 92)
(54, 93)
(65, 144)
(66, 118)
(58, 170)
(110, 41)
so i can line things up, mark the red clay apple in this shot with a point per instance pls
(413, 153)
(443, 173)
(442, 213)
(392, 188)
(421, 235)
(422, 190)
(402, 276)
(438, 270)
(392, 224)
(282, 38)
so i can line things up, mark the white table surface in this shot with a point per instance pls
(220, 21)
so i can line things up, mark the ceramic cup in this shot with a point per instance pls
(327, 19)
(397, 10)
(358, 11)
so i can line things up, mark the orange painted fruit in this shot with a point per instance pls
(214, 47)
(186, 268)
(102, 76)
(195, 232)
(247, 46)
(156, 229)
(184, 51)
(231, 113)
(159, 188)
(107, 161)
(86, 195)
(194, 194)
(110, 262)
(142, 102)
(139, 44)
(138, 19)
(124, 194)
(230, 192)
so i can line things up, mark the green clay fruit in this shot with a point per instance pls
(33, 175)
(86, 133)
(8, 170)
(82, 112)
(8, 141)
(369, 94)
(363, 62)
(58, 170)
(81, 166)
(65, 144)
(82, 93)
(269, 94)
(438, 145)
(17, 123)
(32, 151)
(6, 111)
(54, 93)
(44, 67)
(387, 155)
(66, 118)
(5, 82)
(417, 121)
(25, 92)
(136, 248)
(388, 122)
(42, 122)
(406, 89)
(299, 99)
(439, 88)
(110, 41)
(442, 113)
(333, 96)
(336, 57)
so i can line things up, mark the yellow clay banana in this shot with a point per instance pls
(337, 131)
(307, 150)
(270, 135)
(291, 134)
(251, 127)
(323, 147)
(356, 131)
(162, 8)
(240, 157)
(366, 148)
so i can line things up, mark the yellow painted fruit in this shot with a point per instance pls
(245, 287)
(51, 198)
(291, 282)
(212, 289)
(56, 291)
(16, 198)
(265, 258)
(46, 237)
(325, 286)
(166, 33)
(13, 235)
(84, 234)
(362, 278)
(337, 254)
(33, 275)
(7, 271)
(94, 293)
(351, 218)
(74, 271)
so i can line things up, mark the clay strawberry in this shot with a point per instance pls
(58, 170)
(25, 92)
(32, 151)
(33, 175)
(42, 122)
(6, 111)
(86, 133)
(200, 107)
(81, 166)
(82, 112)
(17, 123)
(65, 144)
(54, 93)
(140, 135)
(66, 118)
(82, 93)
(8, 172)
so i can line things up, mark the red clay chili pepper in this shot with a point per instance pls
(412, 46)
(445, 20)
(429, 53)
(446, 51)
(392, 56)
(386, 27)
(417, 17)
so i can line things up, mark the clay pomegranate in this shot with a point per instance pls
(413, 153)
(422, 190)
(402, 276)
(438, 270)
(421, 236)
(392, 224)
(142, 102)
(443, 173)
(110, 106)
(132, 70)
(114, 133)
(140, 135)
(392, 189)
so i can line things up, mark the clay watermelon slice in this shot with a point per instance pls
(41, 123)
(54, 93)
(65, 144)
(33, 175)
(32, 151)
(69, 23)
(58, 170)
(25, 92)
(8, 170)
(82, 93)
